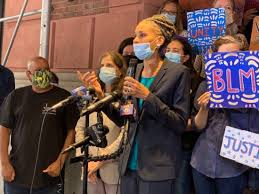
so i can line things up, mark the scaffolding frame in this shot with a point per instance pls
(44, 32)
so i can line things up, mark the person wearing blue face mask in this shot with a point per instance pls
(109, 79)
(108, 75)
(173, 12)
(179, 51)
(175, 52)
(159, 91)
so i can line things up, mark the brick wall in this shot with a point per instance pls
(74, 8)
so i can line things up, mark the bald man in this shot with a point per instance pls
(38, 136)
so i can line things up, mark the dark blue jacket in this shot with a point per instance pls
(159, 124)
(6, 82)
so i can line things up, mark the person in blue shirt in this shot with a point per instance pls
(212, 173)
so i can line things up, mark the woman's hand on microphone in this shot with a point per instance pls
(132, 87)
(89, 79)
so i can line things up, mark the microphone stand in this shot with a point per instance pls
(85, 168)
(85, 160)
(86, 154)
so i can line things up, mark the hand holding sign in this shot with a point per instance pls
(203, 100)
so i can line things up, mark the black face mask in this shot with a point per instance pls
(128, 57)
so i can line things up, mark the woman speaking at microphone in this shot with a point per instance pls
(160, 92)
(103, 176)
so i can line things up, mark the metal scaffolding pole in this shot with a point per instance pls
(17, 16)
(45, 26)
(15, 32)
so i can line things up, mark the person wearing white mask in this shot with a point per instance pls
(173, 12)
(109, 79)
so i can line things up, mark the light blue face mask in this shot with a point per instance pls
(173, 57)
(142, 50)
(108, 75)
(171, 18)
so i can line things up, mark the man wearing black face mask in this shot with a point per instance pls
(35, 161)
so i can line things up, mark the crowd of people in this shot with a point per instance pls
(173, 139)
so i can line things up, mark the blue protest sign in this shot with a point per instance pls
(204, 27)
(233, 79)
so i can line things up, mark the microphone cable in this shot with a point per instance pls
(107, 156)
(61, 185)
(38, 150)
(115, 154)
(127, 126)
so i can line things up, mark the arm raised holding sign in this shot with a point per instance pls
(206, 161)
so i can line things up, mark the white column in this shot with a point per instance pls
(45, 26)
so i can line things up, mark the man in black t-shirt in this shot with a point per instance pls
(38, 136)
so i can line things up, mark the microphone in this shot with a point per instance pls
(76, 145)
(95, 136)
(85, 93)
(127, 109)
(127, 59)
(101, 103)
(77, 94)
(68, 100)
(132, 67)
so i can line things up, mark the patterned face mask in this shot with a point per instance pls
(41, 79)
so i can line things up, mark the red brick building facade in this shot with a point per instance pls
(80, 31)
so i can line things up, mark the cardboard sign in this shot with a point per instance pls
(254, 43)
(233, 79)
(241, 146)
(204, 27)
